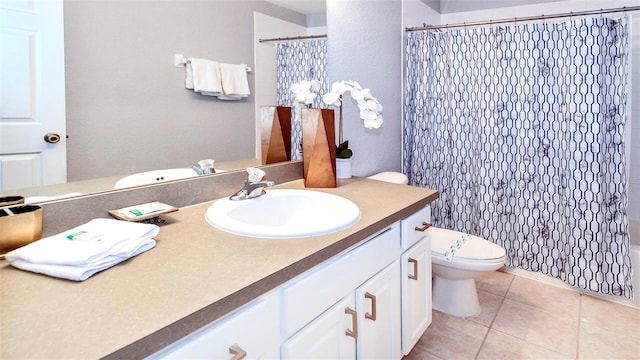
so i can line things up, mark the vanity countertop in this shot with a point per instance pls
(194, 275)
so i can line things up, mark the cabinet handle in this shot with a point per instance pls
(371, 316)
(425, 226)
(354, 323)
(415, 269)
(237, 352)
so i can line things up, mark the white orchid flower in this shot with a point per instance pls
(372, 105)
(310, 97)
(314, 85)
(370, 108)
(305, 92)
(332, 98)
(373, 124)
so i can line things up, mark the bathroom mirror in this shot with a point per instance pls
(127, 108)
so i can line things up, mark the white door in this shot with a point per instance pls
(32, 94)
(326, 337)
(378, 305)
(416, 293)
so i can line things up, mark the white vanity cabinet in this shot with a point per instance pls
(251, 332)
(373, 301)
(348, 308)
(416, 278)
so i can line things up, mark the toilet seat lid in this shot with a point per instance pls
(465, 246)
(391, 176)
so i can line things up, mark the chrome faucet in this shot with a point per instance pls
(204, 167)
(253, 186)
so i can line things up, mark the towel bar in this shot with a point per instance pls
(179, 61)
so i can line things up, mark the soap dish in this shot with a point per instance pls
(142, 212)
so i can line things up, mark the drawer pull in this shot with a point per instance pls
(425, 226)
(237, 352)
(371, 316)
(354, 323)
(415, 269)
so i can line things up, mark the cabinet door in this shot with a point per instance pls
(416, 293)
(252, 332)
(378, 305)
(331, 336)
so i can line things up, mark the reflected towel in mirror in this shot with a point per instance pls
(234, 81)
(203, 76)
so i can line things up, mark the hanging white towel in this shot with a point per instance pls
(203, 76)
(79, 253)
(235, 85)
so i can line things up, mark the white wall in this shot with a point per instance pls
(416, 13)
(365, 44)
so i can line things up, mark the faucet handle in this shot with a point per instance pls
(255, 174)
(207, 166)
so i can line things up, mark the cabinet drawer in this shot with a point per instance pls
(410, 235)
(253, 329)
(308, 295)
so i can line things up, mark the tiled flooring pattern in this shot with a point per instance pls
(527, 319)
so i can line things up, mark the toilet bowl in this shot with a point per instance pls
(457, 259)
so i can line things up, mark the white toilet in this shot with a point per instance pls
(457, 259)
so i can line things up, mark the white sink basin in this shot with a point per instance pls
(156, 176)
(284, 214)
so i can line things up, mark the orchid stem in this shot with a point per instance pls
(340, 140)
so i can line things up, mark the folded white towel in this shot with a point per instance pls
(79, 272)
(78, 253)
(203, 76)
(234, 81)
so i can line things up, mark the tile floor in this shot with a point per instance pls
(527, 319)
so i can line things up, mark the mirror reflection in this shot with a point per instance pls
(127, 110)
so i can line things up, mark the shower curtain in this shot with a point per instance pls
(521, 130)
(297, 61)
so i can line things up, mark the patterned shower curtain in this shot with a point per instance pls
(521, 129)
(297, 61)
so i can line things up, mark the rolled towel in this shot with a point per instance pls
(78, 253)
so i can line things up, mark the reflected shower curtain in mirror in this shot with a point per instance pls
(297, 61)
(521, 129)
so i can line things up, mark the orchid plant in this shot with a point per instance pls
(304, 93)
(370, 110)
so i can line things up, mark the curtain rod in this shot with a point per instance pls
(529, 18)
(293, 38)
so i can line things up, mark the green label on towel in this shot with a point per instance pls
(84, 236)
(136, 212)
(76, 235)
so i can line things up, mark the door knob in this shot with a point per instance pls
(52, 138)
